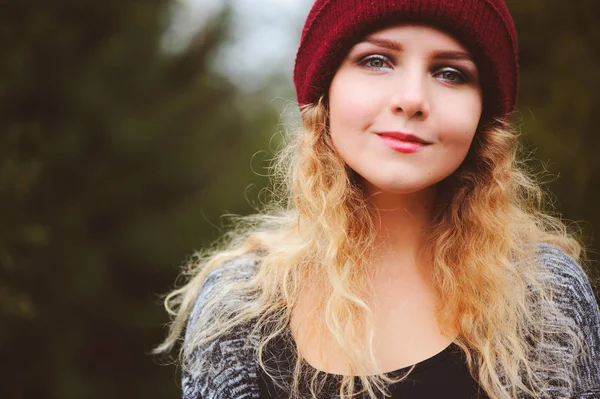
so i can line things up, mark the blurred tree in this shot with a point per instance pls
(115, 158)
(560, 59)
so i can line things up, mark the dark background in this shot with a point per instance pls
(117, 159)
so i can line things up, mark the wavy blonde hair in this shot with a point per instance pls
(488, 221)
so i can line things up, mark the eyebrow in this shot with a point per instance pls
(437, 55)
(392, 45)
(452, 55)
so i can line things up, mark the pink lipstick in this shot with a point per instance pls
(403, 142)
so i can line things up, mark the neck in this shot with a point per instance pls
(402, 219)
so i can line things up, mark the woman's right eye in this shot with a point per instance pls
(375, 62)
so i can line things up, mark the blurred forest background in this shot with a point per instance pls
(119, 154)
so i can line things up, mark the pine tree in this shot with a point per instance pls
(115, 158)
(559, 86)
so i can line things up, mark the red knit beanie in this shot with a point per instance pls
(484, 27)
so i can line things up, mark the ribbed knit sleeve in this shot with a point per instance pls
(231, 371)
(575, 299)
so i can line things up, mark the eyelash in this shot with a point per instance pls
(462, 76)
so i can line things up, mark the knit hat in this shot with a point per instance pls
(484, 27)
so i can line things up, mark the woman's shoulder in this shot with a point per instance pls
(236, 270)
(564, 273)
(569, 283)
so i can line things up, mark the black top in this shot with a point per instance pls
(444, 375)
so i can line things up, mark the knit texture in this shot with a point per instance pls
(235, 369)
(484, 27)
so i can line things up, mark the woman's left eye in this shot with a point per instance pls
(451, 75)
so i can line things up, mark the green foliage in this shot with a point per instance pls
(559, 56)
(115, 160)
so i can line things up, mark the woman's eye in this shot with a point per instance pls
(452, 75)
(375, 62)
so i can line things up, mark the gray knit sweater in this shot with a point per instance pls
(235, 371)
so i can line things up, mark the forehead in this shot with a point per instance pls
(415, 36)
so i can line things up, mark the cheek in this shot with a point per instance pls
(458, 142)
(352, 104)
(460, 122)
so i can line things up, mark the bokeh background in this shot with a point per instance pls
(128, 128)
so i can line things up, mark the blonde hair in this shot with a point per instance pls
(488, 221)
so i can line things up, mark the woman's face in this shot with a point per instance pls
(404, 107)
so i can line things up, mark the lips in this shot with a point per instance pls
(411, 138)
(403, 142)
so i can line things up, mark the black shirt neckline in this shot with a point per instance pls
(444, 373)
(413, 369)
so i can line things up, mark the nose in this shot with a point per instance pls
(410, 97)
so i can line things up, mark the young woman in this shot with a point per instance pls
(409, 256)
